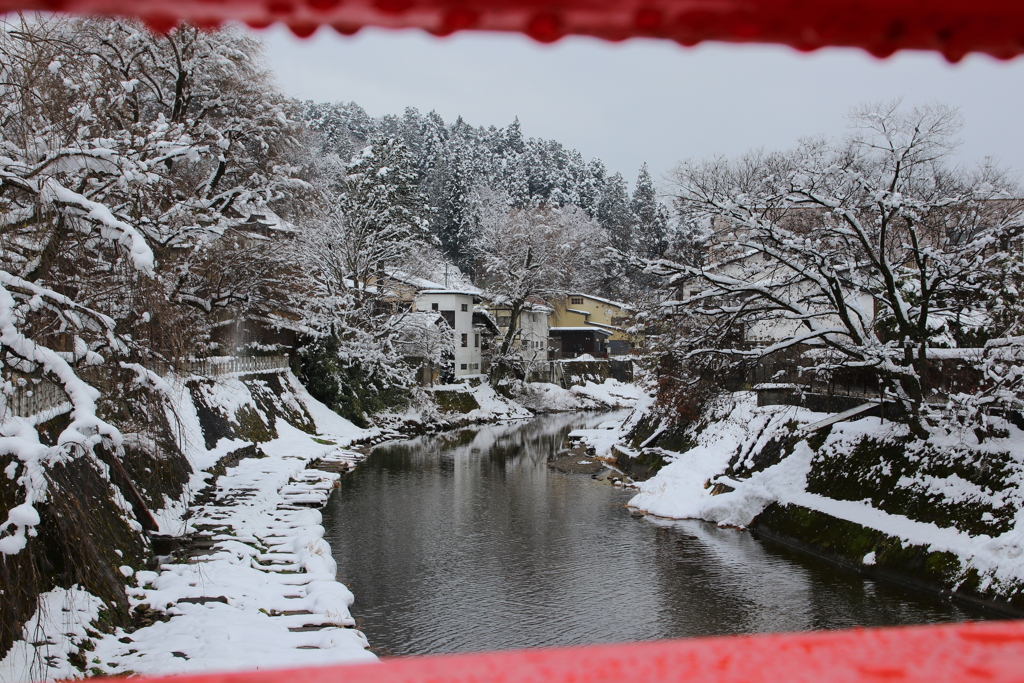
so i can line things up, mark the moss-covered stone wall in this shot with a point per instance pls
(454, 401)
(914, 566)
(84, 536)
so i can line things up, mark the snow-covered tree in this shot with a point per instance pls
(869, 252)
(651, 217)
(454, 216)
(615, 215)
(379, 217)
(129, 164)
(426, 337)
(343, 254)
(533, 253)
(181, 136)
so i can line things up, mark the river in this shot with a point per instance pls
(468, 541)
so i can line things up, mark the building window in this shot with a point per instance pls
(465, 307)
(576, 301)
(433, 307)
(463, 366)
(476, 366)
(476, 341)
(465, 340)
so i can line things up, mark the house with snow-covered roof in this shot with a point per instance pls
(533, 340)
(471, 326)
(584, 324)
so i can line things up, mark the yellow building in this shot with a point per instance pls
(585, 324)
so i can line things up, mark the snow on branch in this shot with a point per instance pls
(110, 226)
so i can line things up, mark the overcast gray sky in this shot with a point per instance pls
(647, 100)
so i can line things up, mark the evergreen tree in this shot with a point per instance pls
(614, 214)
(382, 204)
(454, 216)
(651, 218)
(589, 189)
(511, 142)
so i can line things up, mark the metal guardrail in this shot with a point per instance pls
(32, 399)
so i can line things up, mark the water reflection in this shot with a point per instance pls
(467, 541)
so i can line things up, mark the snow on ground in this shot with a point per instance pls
(268, 578)
(612, 433)
(493, 406)
(602, 438)
(611, 393)
(543, 397)
(264, 595)
(680, 489)
(61, 615)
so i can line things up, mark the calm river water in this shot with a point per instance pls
(467, 541)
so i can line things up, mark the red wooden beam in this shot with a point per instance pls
(989, 652)
(953, 27)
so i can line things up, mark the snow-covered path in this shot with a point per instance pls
(258, 589)
(265, 596)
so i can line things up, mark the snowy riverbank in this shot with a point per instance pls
(247, 600)
(944, 512)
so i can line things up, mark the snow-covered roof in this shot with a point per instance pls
(617, 304)
(602, 325)
(423, 284)
(528, 306)
(449, 291)
(413, 280)
(351, 284)
(481, 318)
(417, 318)
(589, 328)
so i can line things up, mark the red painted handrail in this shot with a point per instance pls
(953, 27)
(992, 652)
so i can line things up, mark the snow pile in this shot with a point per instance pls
(474, 401)
(678, 489)
(611, 393)
(543, 397)
(613, 433)
(602, 438)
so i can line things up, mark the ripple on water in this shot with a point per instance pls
(468, 541)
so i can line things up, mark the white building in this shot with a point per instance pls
(457, 309)
(534, 326)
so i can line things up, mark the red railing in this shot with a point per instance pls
(953, 27)
(989, 652)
